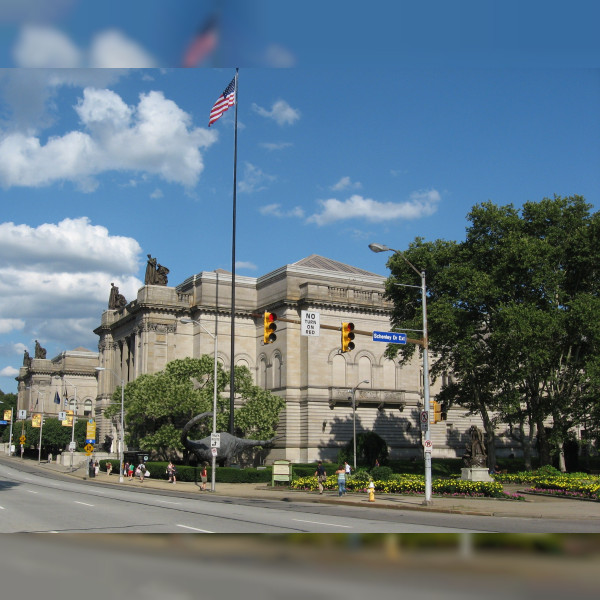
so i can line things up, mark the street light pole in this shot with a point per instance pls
(41, 429)
(74, 415)
(122, 431)
(214, 427)
(354, 417)
(427, 408)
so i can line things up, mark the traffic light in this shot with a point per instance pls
(269, 327)
(437, 412)
(347, 337)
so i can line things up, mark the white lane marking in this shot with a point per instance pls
(195, 529)
(1, 507)
(32, 492)
(167, 502)
(319, 523)
(84, 503)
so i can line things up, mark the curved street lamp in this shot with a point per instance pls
(354, 416)
(427, 436)
(214, 420)
(122, 432)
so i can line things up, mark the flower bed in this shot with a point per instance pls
(413, 484)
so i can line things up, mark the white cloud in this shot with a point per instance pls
(153, 137)
(275, 146)
(245, 265)
(112, 49)
(420, 204)
(346, 183)
(275, 210)
(254, 179)
(8, 325)
(281, 112)
(156, 194)
(277, 56)
(41, 46)
(9, 372)
(55, 279)
(44, 46)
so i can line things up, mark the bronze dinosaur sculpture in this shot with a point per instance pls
(231, 445)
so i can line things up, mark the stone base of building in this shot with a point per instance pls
(475, 474)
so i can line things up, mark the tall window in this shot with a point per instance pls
(87, 408)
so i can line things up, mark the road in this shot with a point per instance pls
(31, 501)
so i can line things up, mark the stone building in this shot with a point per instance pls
(311, 373)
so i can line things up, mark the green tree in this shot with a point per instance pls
(513, 316)
(158, 406)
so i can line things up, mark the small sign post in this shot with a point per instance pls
(215, 440)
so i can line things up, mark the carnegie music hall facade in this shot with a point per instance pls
(314, 377)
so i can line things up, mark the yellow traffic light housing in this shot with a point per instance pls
(269, 327)
(347, 337)
(437, 411)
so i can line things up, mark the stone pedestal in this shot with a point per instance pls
(475, 474)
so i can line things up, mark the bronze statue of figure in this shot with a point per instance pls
(150, 278)
(39, 351)
(26, 359)
(161, 275)
(155, 274)
(475, 454)
(231, 445)
(116, 300)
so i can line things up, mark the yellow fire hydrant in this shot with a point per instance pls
(371, 492)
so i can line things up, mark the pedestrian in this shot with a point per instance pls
(96, 468)
(341, 473)
(130, 470)
(347, 469)
(171, 470)
(204, 477)
(140, 471)
(321, 475)
(108, 467)
(376, 462)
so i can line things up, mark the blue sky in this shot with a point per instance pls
(100, 167)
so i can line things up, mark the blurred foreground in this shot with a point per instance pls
(329, 566)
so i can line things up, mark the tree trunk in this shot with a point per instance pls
(490, 437)
(561, 457)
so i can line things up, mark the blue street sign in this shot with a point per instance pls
(390, 337)
(90, 441)
(3, 422)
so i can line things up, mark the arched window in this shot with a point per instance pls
(338, 371)
(277, 371)
(72, 404)
(389, 374)
(87, 408)
(364, 369)
(262, 373)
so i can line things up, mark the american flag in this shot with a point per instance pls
(203, 44)
(226, 99)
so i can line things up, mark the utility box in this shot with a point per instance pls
(282, 471)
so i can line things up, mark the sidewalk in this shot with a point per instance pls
(542, 507)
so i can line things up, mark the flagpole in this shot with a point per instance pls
(232, 353)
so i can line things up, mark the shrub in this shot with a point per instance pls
(381, 473)
(361, 475)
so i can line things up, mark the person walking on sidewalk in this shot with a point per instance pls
(204, 477)
(341, 474)
(321, 476)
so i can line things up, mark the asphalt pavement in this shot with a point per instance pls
(532, 506)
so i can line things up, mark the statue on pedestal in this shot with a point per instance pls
(116, 300)
(155, 274)
(475, 454)
(26, 359)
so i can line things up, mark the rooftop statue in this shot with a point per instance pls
(116, 300)
(39, 351)
(155, 274)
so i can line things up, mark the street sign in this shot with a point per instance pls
(3, 422)
(390, 337)
(428, 445)
(215, 440)
(22, 439)
(62, 416)
(424, 416)
(90, 431)
(72, 446)
(22, 414)
(213, 451)
(310, 323)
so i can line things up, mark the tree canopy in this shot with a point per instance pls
(513, 317)
(158, 406)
